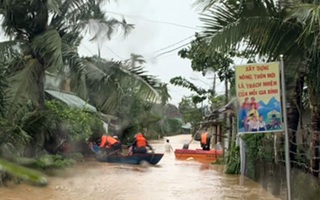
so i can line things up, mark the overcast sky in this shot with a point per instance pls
(160, 26)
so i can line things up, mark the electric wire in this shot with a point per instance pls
(154, 21)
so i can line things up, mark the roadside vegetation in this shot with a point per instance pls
(42, 132)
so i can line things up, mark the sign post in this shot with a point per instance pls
(262, 101)
(285, 128)
(259, 97)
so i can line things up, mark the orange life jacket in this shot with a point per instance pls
(141, 141)
(107, 141)
(204, 138)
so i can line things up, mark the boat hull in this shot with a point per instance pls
(134, 159)
(198, 155)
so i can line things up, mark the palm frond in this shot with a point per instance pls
(104, 88)
(24, 19)
(54, 6)
(203, 5)
(12, 133)
(146, 85)
(7, 48)
(180, 81)
(23, 172)
(163, 92)
(87, 15)
(74, 69)
(308, 17)
(109, 80)
(228, 27)
(48, 46)
(134, 60)
(101, 29)
(23, 84)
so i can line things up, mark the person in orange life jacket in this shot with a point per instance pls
(205, 140)
(140, 144)
(110, 144)
(116, 137)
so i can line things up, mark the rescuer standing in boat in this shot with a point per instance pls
(205, 140)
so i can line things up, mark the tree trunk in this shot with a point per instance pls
(315, 123)
(41, 85)
(294, 116)
(226, 132)
(66, 85)
(31, 148)
(315, 126)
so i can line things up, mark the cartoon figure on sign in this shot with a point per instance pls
(246, 105)
(245, 108)
(274, 123)
(254, 104)
(262, 124)
(253, 123)
(254, 111)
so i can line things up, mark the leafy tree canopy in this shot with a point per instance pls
(189, 110)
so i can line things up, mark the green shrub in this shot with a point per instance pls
(53, 162)
(80, 124)
(233, 161)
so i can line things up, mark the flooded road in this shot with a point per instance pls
(170, 180)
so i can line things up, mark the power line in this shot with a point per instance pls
(114, 53)
(87, 49)
(174, 44)
(160, 54)
(167, 55)
(166, 52)
(155, 21)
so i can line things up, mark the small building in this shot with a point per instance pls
(214, 123)
(73, 101)
(186, 128)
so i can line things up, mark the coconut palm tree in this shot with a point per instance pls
(117, 88)
(44, 36)
(43, 32)
(107, 82)
(3, 85)
(292, 31)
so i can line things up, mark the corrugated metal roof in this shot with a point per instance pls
(186, 126)
(71, 100)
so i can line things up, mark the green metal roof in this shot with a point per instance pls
(71, 100)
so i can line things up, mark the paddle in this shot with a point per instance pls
(192, 138)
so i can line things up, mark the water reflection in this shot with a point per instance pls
(170, 180)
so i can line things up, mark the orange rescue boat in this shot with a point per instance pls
(204, 156)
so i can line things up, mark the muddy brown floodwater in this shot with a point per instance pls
(170, 180)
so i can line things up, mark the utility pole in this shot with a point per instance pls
(99, 53)
(225, 117)
(214, 85)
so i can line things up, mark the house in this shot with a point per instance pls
(72, 100)
(186, 128)
(52, 91)
(214, 123)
